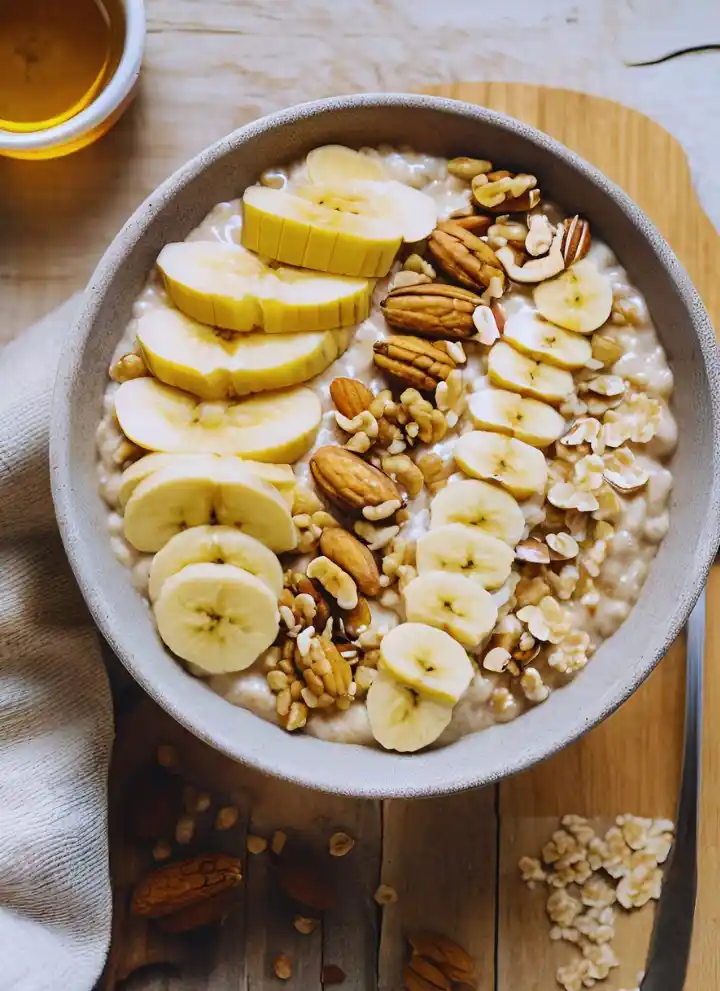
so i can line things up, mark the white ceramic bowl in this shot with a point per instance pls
(439, 127)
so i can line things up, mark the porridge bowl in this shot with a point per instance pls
(384, 468)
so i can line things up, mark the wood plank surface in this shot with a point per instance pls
(439, 854)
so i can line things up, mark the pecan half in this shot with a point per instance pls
(503, 192)
(206, 913)
(476, 223)
(464, 256)
(350, 396)
(432, 310)
(455, 962)
(349, 482)
(576, 239)
(413, 360)
(184, 883)
(346, 551)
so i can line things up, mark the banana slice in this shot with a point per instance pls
(400, 718)
(453, 603)
(479, 505)
(226, 286)
(507, 367)
(281, 477)
(289, 228)
(273, 426)
(215, 545)
(428, 660)
(194, 357)
(465, 550)
(216, 616)
(175, 498)
(518, 467)
(336, 163)
(347, 227)
(509, 413)
(579, 299)
(529, 333)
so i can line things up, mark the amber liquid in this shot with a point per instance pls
(55, 57)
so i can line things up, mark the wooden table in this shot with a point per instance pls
(453, 860)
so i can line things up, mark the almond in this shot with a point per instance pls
(352, 556)
(349, 482)
(350, 396)
(185, 883)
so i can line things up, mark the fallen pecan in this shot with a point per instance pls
(420, 363)
(428, 971)
(455, 962)
(464, 256)
(432, 310)
(205, 913)
(184, 883)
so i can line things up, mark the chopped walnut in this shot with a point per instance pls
(534, 688)
(570, 655)
(636, 419)
(531, 871)
(546, 621)
(562, 908)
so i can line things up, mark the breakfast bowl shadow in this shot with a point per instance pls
(441, 127)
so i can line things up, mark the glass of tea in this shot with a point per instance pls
(68, 69)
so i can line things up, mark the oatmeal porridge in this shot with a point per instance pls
(384, 447)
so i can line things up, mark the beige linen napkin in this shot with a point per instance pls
(56, 722)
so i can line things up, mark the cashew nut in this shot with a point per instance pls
(539, 269)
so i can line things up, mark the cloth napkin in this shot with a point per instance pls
(56, 721)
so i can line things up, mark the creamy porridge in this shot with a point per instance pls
(478, 442)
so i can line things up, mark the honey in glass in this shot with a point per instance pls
(56, 56)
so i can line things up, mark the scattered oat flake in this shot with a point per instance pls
(385, 895)
(340, 844)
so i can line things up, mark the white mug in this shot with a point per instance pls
(99, 116)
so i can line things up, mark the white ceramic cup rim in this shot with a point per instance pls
(104, 105)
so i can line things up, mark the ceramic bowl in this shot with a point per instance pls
(220, 173)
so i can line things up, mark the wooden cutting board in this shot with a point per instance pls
(454, 860)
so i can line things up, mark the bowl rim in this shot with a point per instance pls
(408, 783)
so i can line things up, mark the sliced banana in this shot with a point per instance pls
(290, 229)
(465, 550)
(517, 466)
(428, 660)
(531, 334)
(400, 718)
(281, 477)
(274, 426)
(226, 286)
(351, 227)
(172, 499)
(216, 616)
(579, 299)
(510, 413)
(337, 163)
(215, 545)
(453, 603)
(508, 368)
(481, 505)
(192, 356)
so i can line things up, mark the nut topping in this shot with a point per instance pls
(538, 269)
(432, 310)
(468, 168)
(353, 557)
(348, 481)
(350, 396)
(503, 192)
(463, 256)
(414, 360)
(576, 239)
